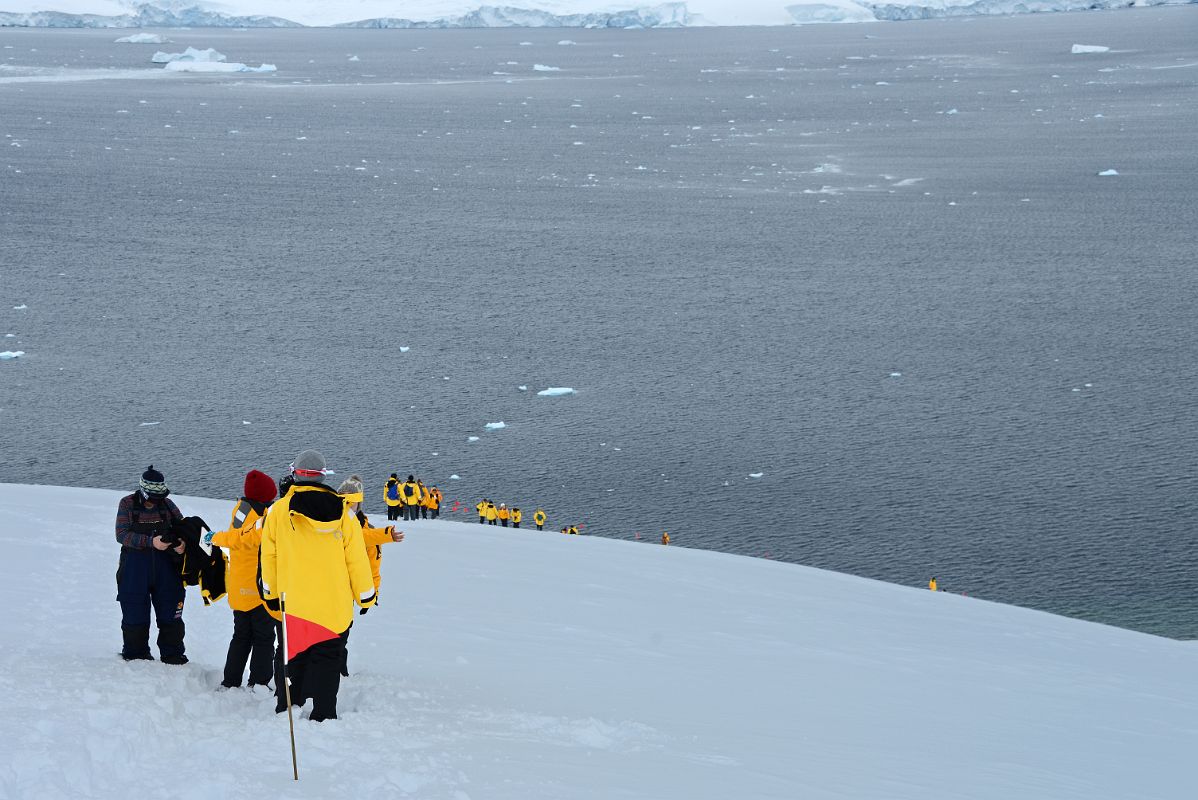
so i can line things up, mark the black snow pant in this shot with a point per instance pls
(314, 673)
(437, 512)
(503, 522)
(424, 512)
(253, 640)
(482, 520)
(409, 512)
(148, 579)
(515, 524)
(345, 652)
(393, 512)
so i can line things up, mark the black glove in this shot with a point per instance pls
(362, 611)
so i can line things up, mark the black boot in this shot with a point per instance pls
(170, 643)
(137, 643)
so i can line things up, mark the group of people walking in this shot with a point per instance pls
(411, 499)
(297, 566)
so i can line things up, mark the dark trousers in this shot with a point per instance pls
(492, 522)
(410, 511)
(253, 641)
(424, 512)
(503, 522)
(436, 512)
(393, 512)
(148, 579)
(515, 524)
(482, 520)
(539, 527)
(314, 673)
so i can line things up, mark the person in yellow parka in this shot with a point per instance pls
(410, 491)
(253, 627)
(932, 584)
(492, 513)
(538, 517)
(422, 498)
(314, 569)
(392, 498)
(516, 517)
(482, 511)
(373, 540)
(665, 537)
(503, 514)
(434, 502)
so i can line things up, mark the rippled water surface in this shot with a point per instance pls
(874, 265)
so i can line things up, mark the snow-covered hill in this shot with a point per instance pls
(522, 13)
(511, 664)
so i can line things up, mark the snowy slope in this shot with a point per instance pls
(512, 664)
(527, 13)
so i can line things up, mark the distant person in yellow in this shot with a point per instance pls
(410, 491)
(572, 530)
(392, 498)
(516, 517)
(482, 511)
(492, 513)
(932, 584)
(373, 540)
(432, 502)
(538, 517)
(314, 569)
(503, 514)
(665, 537)
(253, 627)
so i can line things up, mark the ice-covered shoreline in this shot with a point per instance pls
(536, 14)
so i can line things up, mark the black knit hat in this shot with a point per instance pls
(153, 484)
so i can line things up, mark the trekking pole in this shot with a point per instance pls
(287, 687)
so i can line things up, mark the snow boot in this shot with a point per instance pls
(137, 643)
(170, 643)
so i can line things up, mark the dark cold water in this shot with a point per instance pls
(875, 264)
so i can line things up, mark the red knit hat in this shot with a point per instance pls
(259, 487)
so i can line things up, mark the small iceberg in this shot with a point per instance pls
(1106, 173)
(522, 388)
(190, 54)
(143, 38)
(454, 477)
(756, 474)
(472, 439)
(21, 307)
(545, 68)
(354, 58)
(1089, 48)
(148, 424)
(565, 42)
(555, 391)
(8, 355)
(404, 349)
(896, 374)
(494, 426)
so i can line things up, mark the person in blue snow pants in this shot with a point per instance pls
(148, 576)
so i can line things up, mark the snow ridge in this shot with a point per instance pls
(666, 15)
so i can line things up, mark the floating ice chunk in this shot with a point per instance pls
(522, 388)
(555, 391)
(8, 355)
(143, 38)
(545, 68)
(472, 439)
(454, 477)
(756, 474)
(896, 374)
(494, 426)
(354, 58)
(10, 336)
(565, 42)
(21, 307)
(403, 349)
(246, 422)
(526, 44)
(215, 66)
(1106, 173)
(1089, 48)
(190, 54)
(148, 424)
(951, 111)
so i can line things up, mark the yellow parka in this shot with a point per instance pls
(434, 498)
(373, 540)
(539, 517)
(241, 539)
(492, 512)
(312, 551)
(517, 515)
(415, 497)
(503, 513)
(398, 499)
(481, 508)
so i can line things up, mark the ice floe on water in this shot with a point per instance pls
(21, 307)
(190, 54)
(565, 42)
(756, 474)
(1089, 48)
(143, 38)
(455, 477)
(896, 374)
(545, 68)
(1106, 173)
(8, 355)
(472, 438)
(522, 388)
(148, 424)
(403, 349)
(216, 66)
(555, 391)
(494, 426)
